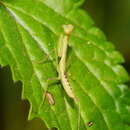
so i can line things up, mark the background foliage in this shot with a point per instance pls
(112, 16)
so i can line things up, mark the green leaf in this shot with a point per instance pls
(29, 32)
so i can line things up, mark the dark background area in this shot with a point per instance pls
(112, 16)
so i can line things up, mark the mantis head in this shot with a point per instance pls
(68, 28)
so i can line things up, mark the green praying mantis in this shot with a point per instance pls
(62, 53)
(61, 66)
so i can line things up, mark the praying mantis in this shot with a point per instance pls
(61, 66)
(62, 53)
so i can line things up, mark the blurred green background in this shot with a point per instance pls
(112, 16)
